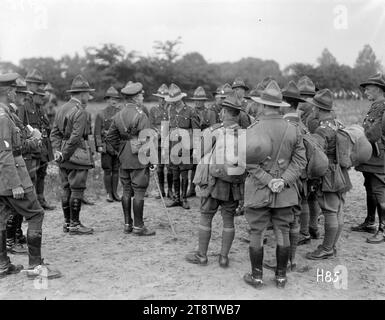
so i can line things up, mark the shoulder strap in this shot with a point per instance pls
(275, 163)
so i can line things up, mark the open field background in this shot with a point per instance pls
(111, 265)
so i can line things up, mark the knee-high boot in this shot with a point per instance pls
(75, 226)
(107, 178)
(126, 205)
(169, 184)
(282, 254)
(256, 259)
(115, 183)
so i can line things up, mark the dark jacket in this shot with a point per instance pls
(374, 126)
(207, 117)
(127, 124)
(13, 171)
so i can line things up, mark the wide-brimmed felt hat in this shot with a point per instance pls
(39, 92)
(225, 91)
(174, 93)
(239, 83)
(48, 87)
(112, 93)
(271, 96)
(265, 81)
(376, 80)
(199, 94)
(306, 87)
(291, 92)
(21, 86)
(132, 89)
(35, 76)
(232, 101)
(256, 92)
(80, 84)
(323, 99)
(162, 91)
(219, 89)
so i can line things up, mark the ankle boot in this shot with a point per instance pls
(255, 277)
(379, 236)
(107, 178)
(65, 204)
(76, 228)
(6, 268)
(169, 185)
(282, 254)
(126, 205)
(115, 183)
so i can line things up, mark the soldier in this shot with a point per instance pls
(51, 103)
(225, 193)
(217, 105)
(134, 176)
(270, 187)
(292, 96)
(207, 118)
(334, 185)
(158, 114)
(72, 151)
(17, 192)
(240, 89)
(32, 113)
(109, 157)
(181, 117)
(307, 90)
(374, 169)
(254, 109)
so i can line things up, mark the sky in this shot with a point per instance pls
(286, 31)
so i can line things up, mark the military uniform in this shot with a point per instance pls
(225, 194)
(336, 182)
(287, 160)
(185, 118)
(70, 138)
(50, 108)
(109, 157)
(124, 131)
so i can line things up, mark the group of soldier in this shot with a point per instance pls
(274, 191)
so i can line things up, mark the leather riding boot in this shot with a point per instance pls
(65, 204)
(75, 226)
(293, 249)
(107, 179)
(185, 203)
(6, 268)
(176, 201)
(34, 247)
(169, 185)
(191, 190)
(161, 184)
(115, 183)
(256, 259)
(20, 238)
(227, 240)
(282, 254)
(126, 205)
(139, 228)
(369, 225)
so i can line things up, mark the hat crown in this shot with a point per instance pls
(34, 75)
(132, 88)
(272, 92)
(256, 92)
(20, 83)
(291, 89)
(200, 93)
(325, 98)
(226, 89)
(174, 90)
(377, 80)
(112, 91)
(8, 79)
(80, 82)
(265, 82)
(48, 87)
(232, 100)
(306, 85)
(163, 89)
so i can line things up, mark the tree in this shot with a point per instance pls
(326, 58)
(367, 63)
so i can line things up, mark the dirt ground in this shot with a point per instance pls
(112, 265)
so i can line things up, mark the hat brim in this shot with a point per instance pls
(221, 95)
(371, 83)
(199, 98)
(306, 94)
(270, 103)
(36, 81)
(114, 97)
(176, 98)
(246, 88)
(292, 97)
(159, 95)
(225, 105)
(316, 104)
(24, 91)
(80, 90)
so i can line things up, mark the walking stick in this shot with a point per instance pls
(152, 168)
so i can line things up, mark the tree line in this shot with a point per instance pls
(110, 64)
